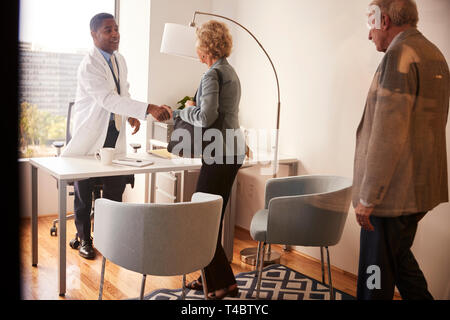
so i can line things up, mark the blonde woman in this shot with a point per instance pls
(217, 105)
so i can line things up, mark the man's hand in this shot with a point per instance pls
(362, 216)
(159, 113)
(169, 110)
(134, 123)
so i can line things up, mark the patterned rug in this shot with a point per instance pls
(278, 283)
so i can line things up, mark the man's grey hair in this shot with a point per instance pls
(401, 12)
(97, 20)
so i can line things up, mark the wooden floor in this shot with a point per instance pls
(83, 276)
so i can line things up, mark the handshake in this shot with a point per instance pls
(160, 113)
(164, 112)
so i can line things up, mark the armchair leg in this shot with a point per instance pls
(102, 279)
(329, 275)
(260, 267)
(322, 264)
(258, 253)
(141, 296)
(205, 285)
(183, 288)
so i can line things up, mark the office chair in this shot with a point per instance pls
(98, 188)
(306, 210)
(157, 239)
(58, 145)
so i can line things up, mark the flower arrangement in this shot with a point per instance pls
(182, 102)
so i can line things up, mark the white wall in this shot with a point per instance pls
(172, 78)
(155, 77)
(134, 28)
(325, 64)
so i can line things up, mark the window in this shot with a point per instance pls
(54, 36)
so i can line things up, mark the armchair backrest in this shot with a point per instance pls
(307, 210)
(159, 239)
(68, 122)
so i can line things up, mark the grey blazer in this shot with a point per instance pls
(400, 159)
(214, 94)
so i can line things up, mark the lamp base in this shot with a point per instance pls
(248, 256)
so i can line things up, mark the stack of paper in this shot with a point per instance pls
(133, 162)
(163, 153)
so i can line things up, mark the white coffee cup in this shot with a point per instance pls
(105, 155)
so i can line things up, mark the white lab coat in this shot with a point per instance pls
(96, 98)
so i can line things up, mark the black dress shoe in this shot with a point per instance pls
(195, 285)
(86, 249)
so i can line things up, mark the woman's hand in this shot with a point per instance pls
(189, 103)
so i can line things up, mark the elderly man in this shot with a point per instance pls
(400, 169)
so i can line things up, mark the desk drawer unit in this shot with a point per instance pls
(163, 197)
(171, 185)
(162, 131)
(169, 182)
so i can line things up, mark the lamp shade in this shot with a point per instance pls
(179, 40)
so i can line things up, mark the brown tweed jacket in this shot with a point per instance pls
(400, 159)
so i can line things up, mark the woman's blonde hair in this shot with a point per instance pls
(214, 39)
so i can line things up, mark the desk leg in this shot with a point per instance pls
(62, 236)
(152, 187)
(34, 214)
(181, 189)
(146, 191)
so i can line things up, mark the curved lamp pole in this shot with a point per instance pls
(275, 158)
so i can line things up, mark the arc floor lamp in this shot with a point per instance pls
(180, 40)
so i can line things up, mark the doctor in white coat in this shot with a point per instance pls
(97, 97)
(100, 113)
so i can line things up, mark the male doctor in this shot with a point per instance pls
(102, 108)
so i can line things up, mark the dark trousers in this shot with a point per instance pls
(389, 248)
(113, 188)
(218, 179)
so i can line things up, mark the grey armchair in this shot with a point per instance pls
(304, 211)
(158, 239)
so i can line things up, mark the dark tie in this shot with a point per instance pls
(117, 117)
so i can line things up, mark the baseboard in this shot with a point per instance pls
(43, 215)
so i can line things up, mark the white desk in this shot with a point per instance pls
(65, 170)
